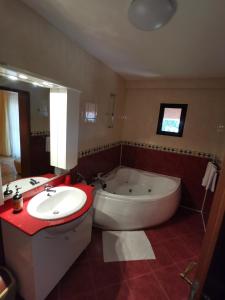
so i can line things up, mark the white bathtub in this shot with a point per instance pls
(135, 199)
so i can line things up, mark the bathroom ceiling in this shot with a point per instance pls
(191, 45)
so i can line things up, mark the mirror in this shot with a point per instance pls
(171, 119)
(24, 129)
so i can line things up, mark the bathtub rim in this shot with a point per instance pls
(139, 198)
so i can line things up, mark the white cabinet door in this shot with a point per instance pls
(51, 252)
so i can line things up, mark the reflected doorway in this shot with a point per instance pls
(14, 134)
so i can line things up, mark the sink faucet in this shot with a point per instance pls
(80, 178)
(49, 188)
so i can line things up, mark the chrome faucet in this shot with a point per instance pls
(49, 188)
(100, 180)
(80, 178)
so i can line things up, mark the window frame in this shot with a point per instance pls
(163, 106)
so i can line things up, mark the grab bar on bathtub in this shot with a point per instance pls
(100, 181)
(99, 175)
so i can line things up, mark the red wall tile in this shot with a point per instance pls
(207, 206)
(189, 168)
(103, 161)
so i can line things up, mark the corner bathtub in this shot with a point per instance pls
(135, 199)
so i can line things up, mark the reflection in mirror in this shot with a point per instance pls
(10, 154)
(24, 130)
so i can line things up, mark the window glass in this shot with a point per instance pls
(171, 119)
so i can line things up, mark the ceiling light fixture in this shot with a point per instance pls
(151, 14)
(22, 76)
(35, 83)
(47, 83)
(11, 77)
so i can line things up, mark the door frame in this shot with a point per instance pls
(25, 129)
(212, 233)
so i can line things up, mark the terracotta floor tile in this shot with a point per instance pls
(177, 249)
(175, 243)
(133, 269)
(146, 288)
(193, 242)
(76, 281)
(116, 292)
(172, 283)
(185, 222)
(106, 274)
(159, 234)
(163, 258)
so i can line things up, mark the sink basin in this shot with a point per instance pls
(55, 205)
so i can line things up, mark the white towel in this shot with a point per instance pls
(213, 185)
(209, 179)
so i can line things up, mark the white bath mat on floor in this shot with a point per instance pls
(126, 245)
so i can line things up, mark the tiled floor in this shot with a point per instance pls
(175, 244)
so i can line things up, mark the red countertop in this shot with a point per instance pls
(31, 225)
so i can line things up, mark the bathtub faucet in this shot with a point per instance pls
(100, 180)
(80, 178)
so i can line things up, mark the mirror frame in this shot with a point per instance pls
(163, 106)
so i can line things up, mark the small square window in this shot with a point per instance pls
(171, 119)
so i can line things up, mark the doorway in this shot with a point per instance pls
(15, 135)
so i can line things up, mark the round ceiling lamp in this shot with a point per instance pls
(151, 14)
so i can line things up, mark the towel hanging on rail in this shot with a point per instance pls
(209, 179)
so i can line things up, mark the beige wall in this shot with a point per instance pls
(206, 111)
(29, 42)
(223, 146)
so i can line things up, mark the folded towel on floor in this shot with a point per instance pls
(209, 179)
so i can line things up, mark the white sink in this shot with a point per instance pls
(55, 205)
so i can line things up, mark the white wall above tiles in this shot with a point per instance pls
(43, 50)
(205, 113)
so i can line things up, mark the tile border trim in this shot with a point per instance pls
(170, 149)
(97, 149)
(189, 152)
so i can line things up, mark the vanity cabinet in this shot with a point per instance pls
(41, 260)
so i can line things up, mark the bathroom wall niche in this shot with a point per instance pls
(171, 119)
(111, 111)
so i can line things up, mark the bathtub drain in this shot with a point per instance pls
(130, 190)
